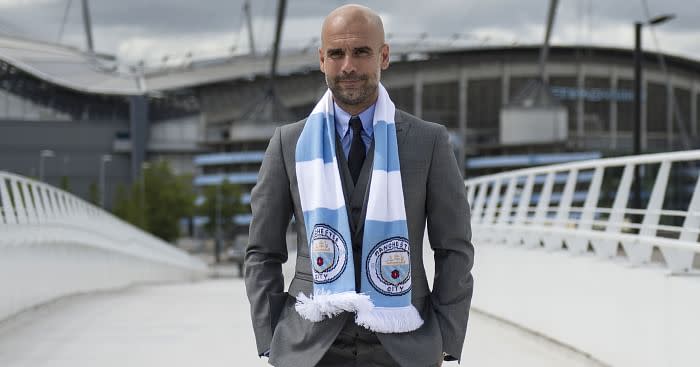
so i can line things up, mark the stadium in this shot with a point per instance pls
(213, 118)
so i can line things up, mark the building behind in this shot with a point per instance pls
(198, 115)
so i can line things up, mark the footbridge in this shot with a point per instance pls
(568, 273)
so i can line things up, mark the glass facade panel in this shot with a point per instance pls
(440, 102)
(403, 98)
(3, 103)
(15, 108)
(682, 97)
(570, 104)
(656, 107)
(596, 108)
(484, 103)
(302, 111)
(697, 113)
(517, 84)
(625, 108)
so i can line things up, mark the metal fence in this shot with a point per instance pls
(585, 206)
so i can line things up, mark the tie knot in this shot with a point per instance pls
(356, 125)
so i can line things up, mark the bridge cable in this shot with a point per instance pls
(63, 22)
(677, 117)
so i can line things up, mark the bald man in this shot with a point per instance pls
(352, 55)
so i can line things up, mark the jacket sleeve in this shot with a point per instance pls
(271, 205)
(449, 231)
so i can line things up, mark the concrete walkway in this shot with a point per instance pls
(204, 324)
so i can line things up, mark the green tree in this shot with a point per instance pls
(129, 206)
(166, 199)
(94, 194)
(157, 202)
(229, 195)
(65, 185)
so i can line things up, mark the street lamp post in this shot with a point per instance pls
(144, 167)
(217, 242)
(46, 153)
(104, 159)
(638, 99)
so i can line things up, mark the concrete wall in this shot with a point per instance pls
(621, 315)
(78, 146)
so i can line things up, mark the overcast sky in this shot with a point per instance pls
(148, 30)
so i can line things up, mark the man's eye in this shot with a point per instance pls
(335, 55)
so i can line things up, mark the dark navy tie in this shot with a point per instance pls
(356, 157)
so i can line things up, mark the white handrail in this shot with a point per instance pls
(510, 216)
(53, 243)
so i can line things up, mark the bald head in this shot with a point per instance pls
(353, 15)
(352, 55)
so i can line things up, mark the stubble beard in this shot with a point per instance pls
(353, 97)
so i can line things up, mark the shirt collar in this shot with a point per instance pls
(342, 120)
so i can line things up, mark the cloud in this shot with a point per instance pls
(136, 29)
(10, 4)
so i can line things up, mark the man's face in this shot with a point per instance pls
(352, 56)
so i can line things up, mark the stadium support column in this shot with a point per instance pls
(418, 95)
(580, 109)
(138, 110)
(462, 110)
(613, 110)
(694, 91)
(669, 117)
(637, 150)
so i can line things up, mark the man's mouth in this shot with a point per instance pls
(351, 80)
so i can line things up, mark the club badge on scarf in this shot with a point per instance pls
(384, 303)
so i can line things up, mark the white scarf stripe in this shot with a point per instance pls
(314, 178)
(386, 206)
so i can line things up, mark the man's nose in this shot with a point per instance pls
(348, 65)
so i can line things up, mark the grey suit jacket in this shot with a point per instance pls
(433, 191)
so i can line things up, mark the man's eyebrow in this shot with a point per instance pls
(333, 50)
(362, 48)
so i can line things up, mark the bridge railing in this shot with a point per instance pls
(53, 243)
(585, 206)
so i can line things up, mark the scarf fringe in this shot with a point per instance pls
(330, 304)
(390, 319)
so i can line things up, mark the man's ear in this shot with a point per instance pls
(321, 60)
(385, 56)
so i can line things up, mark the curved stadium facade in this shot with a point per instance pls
(208, 117)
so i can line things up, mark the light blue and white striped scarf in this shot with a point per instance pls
(384, 305)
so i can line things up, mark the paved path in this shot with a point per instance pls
(203, 324)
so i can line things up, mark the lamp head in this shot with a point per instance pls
(661, 19)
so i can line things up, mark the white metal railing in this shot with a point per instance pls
(536, 207)
(53, 243)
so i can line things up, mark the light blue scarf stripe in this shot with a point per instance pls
(321, 129)
(382, 128)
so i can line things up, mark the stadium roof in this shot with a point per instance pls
(67, 67)
(81, 71)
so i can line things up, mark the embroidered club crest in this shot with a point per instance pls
(329, 254)
(389, 267)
